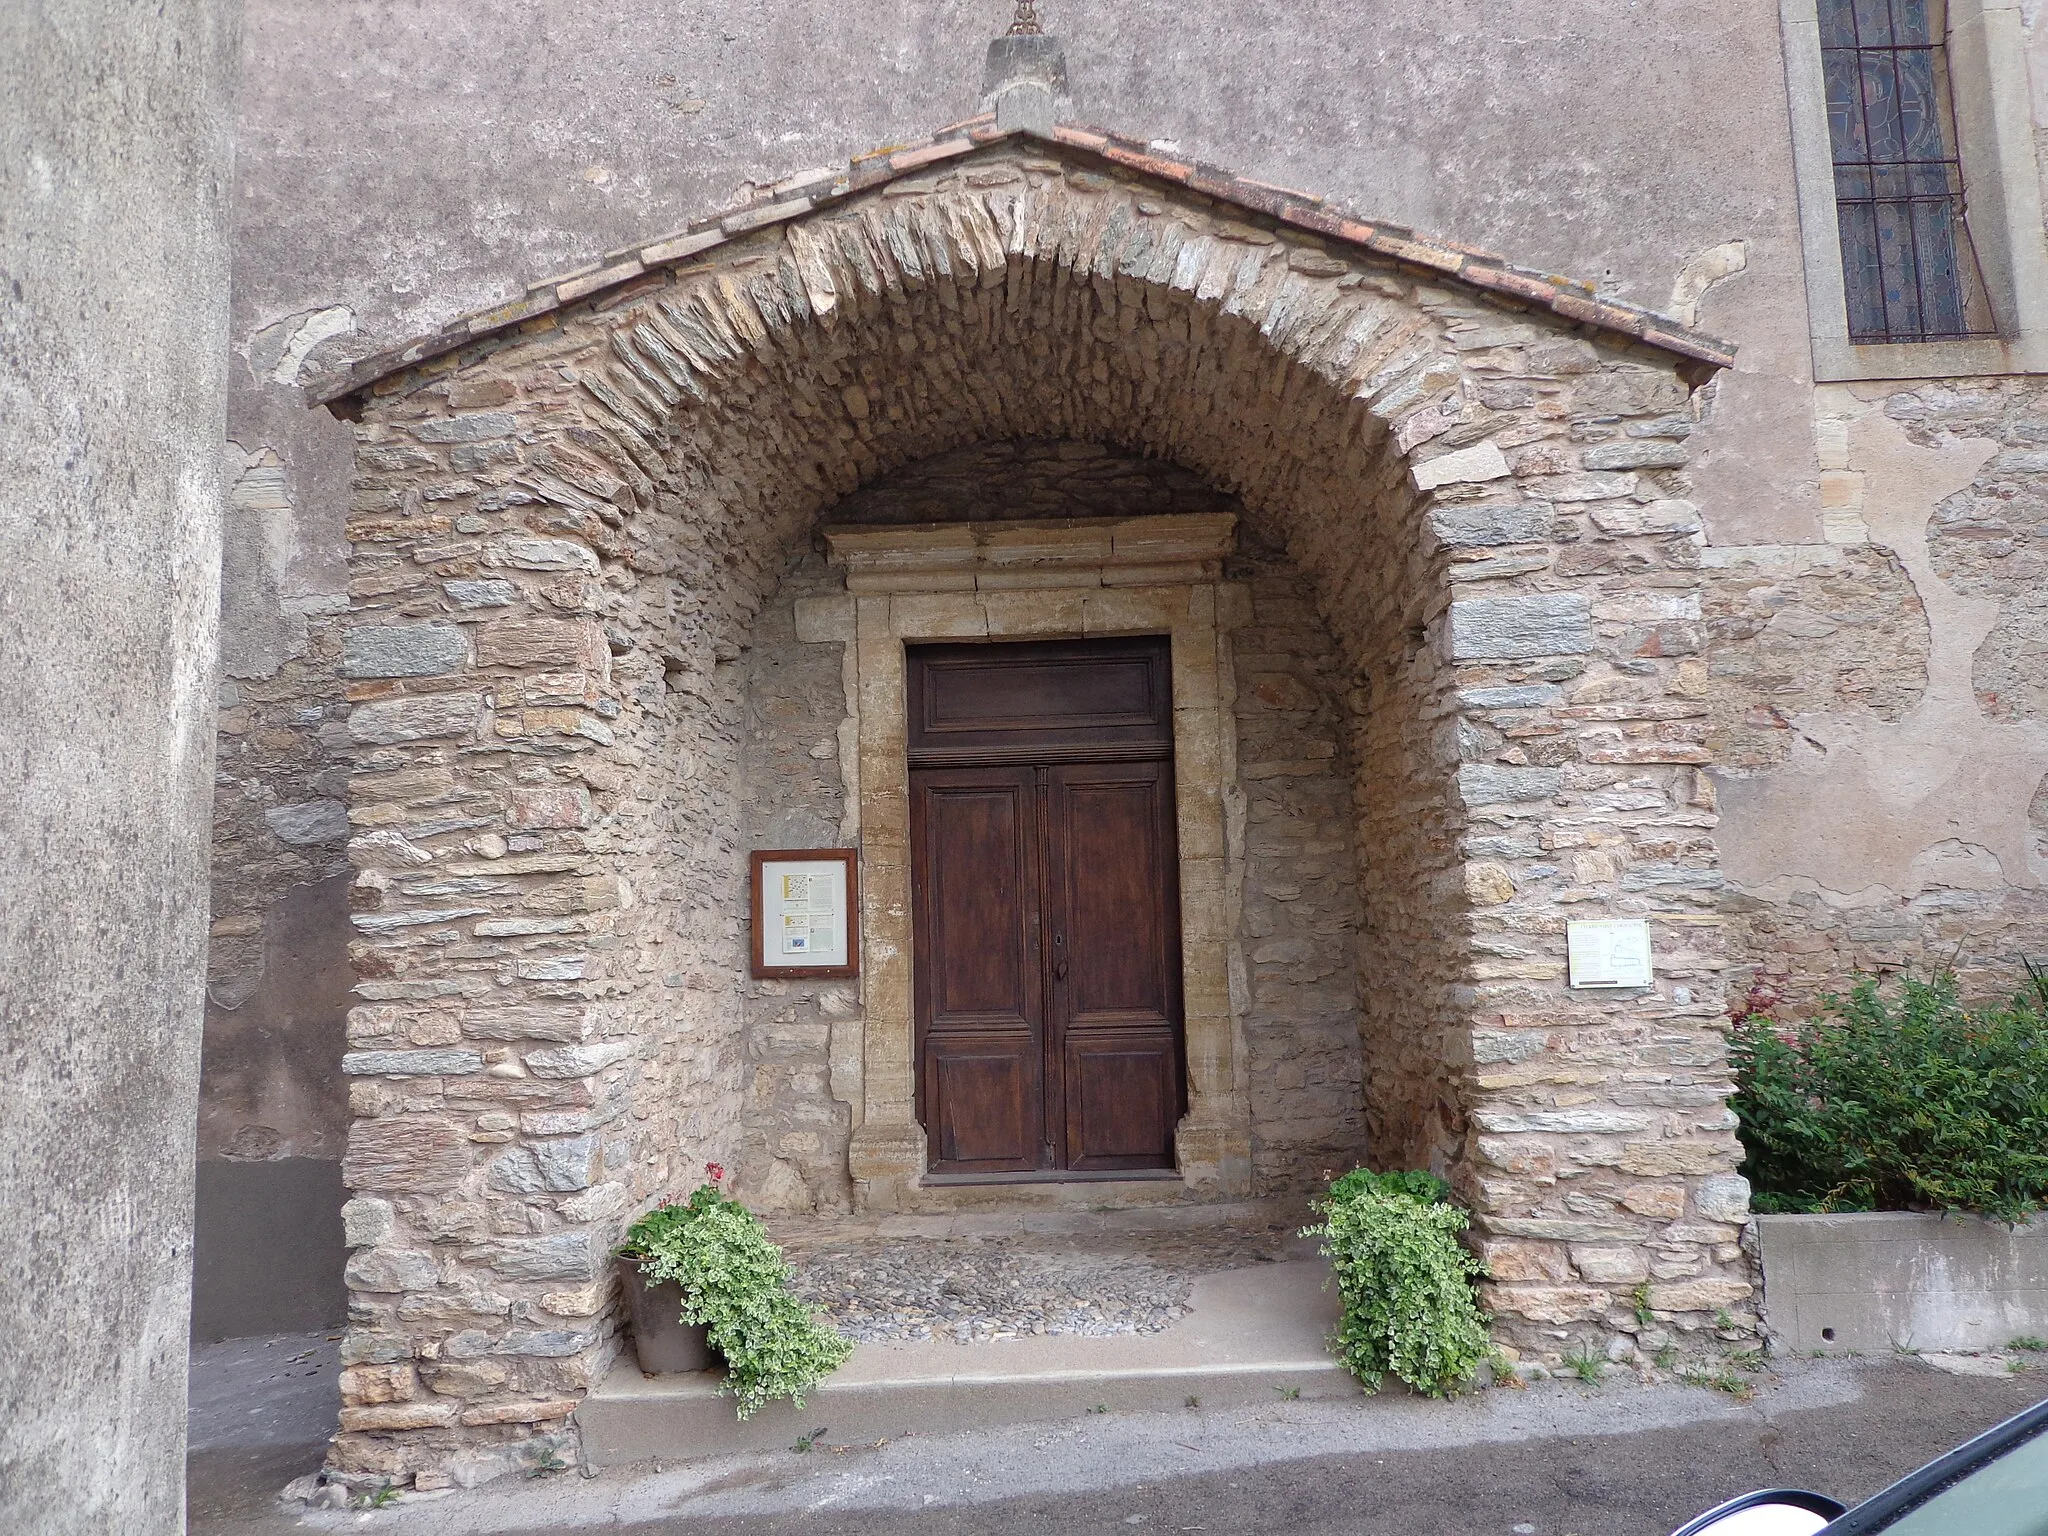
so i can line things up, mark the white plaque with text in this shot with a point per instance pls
(1610, 952)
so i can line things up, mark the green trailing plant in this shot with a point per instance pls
(1406, 1281)
(1898, 1100)
(736, 1284)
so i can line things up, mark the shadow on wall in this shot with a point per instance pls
(267, 1251)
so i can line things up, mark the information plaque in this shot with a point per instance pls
(1609, 952)
(806, 913)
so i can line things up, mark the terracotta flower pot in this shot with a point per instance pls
(665, 1344)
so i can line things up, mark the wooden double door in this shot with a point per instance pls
(1046, 890)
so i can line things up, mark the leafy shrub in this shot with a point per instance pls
(1409, 1306)
(736, 1283)
(1893, 1104)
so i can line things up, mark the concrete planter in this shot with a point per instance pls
(1883, 1280)
(666, 1345)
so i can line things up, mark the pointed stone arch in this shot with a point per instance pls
(569, 513)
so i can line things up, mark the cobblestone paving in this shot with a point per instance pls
(975, 1289)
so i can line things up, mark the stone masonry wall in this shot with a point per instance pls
(1298, 908)
(1900, 705)
(563, 536)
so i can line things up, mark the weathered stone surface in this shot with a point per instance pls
(1724, 1197)
(544, 555)
(1592, 1122)
(1484, 461)
(404, 650)
(564, 1256)
(489, 593)
(411, 1063)
(1509, 628)
(404, 1155)
(577, 1060)
(540, 643)
(309, 824)
(1488, 523)
(393, 1269)
(1485, 784)
(456, 715)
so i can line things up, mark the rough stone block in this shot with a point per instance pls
(393, 1269)
(459, 716)
(1491, 523)
(536, 644)
(366, 1221)
(1517, 628)
(544, 555)
(487, 593)
(1491, 784)
(411, 1063)
(1583, 1122)
(466, 429)
(561, 1256)
(390, 1416)
(404, 650)
(1700, 1295)
(1610, 1266)
(404, 1155)
(560, 1167)
(1482, 461)
(309, 824)
(1551, 1303)
(1667, 1157)
(1724, 1198)
(1642, 453)
(558, 807)
(577, 1060)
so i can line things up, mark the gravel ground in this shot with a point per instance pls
(975, 1289)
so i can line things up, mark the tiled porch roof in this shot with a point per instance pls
(1486, 271)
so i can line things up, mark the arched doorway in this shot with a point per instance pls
(551, 776)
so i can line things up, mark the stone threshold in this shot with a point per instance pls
(1254, 1336)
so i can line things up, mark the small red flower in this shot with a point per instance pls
(716, 1170)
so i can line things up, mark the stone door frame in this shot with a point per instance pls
(1049, 580)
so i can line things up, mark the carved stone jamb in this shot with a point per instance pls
(1042, 581)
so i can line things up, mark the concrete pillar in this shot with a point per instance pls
(114, 163)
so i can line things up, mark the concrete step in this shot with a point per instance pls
(1254, 1336)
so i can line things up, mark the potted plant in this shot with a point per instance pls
(703, 1280)
(1406, 1282)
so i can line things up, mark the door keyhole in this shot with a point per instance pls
(1059, 963)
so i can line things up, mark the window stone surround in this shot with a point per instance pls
(1994, 128)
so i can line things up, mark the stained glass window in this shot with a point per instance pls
(1907, 262)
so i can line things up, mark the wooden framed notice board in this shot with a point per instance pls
(806, 910)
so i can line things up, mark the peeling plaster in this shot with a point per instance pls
(278, 353)
(1938, 800)
(1714, 265)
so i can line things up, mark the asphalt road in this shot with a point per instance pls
(1560, 1458)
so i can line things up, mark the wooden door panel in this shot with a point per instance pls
(979, 895)
(985, 1116)
(1114, 919)
(1113, 924)
(1123, 1100)
(979, 972)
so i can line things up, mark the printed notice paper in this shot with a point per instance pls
(803, 914)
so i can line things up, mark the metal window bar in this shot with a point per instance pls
(1908, 265)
